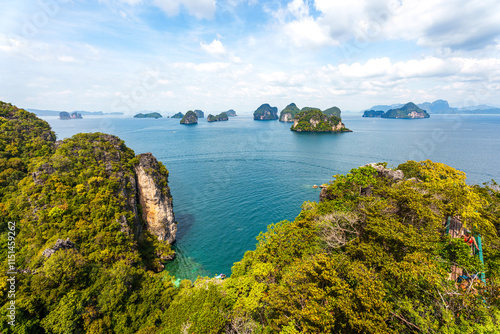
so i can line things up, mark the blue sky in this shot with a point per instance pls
(214, 55)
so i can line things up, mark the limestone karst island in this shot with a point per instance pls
(217, 118)
(189, 118)
(408, 111)
(148, 115)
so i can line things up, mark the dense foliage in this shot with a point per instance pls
(371, 257)
(149, 115)
(409, 110)
(313, 120)
(220, 117)
(78, 190)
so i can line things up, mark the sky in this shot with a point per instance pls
(214, 55)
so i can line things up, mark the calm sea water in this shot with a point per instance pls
(229, 180)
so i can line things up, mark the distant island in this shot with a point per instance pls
(150, 115)
(221, 117)
(178, 115)
(442, 107)
(333, 111)
(265, 113)
(408, 111)
(67, 115)
(373, 113)
(189, 118)
(288, 114)
(40, 112)
(199, 113)
(231, 113)
(313, 120)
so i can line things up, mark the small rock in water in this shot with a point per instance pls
(315, 187)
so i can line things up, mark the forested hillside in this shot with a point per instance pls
(372, 256)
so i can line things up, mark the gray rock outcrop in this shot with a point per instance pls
(60, 244)
(396, 175)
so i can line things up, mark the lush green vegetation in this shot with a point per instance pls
(189, 118)
(313, 120)
(149, 115)
(378, 263)
(178, 115)
(409, 110)
(373, 113)
(371, 257)
(221, 117)
(78, 189)
(265, 112)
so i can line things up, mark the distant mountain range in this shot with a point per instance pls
(443, 107)
(39, 112)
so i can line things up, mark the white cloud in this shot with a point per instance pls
(215, 48)
(302, 29)
(429, 67)
(201, 9)
(373, 67)
(454, 24)
(307, 32)
(457, 24)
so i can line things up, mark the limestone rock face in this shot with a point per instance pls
(155, 199)
(287, 118)
(289, 113)
(396, 175)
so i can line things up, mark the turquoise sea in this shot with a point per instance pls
(229, 180)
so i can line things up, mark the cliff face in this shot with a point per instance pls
(289, 113)
(286, 117)
(155, 199)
